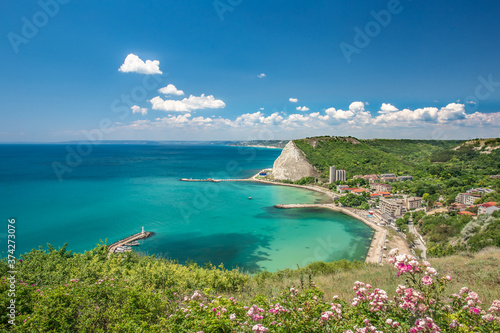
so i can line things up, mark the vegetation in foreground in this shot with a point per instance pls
(58, 291)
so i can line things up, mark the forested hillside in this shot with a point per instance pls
(421, 158)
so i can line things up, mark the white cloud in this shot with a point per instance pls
(187, 104)
(293, 100)
(261, 109)
(171, 90)
(302, 108)
(471, 102)
(138, 109)
(386, 108)
(450, 113)
(261, 75)
(357, 106)
(450, 121)
(133, 63)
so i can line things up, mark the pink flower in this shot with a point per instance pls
(427, 280)
(259, 328)
(474, 310)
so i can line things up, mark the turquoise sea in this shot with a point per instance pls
(110, 191)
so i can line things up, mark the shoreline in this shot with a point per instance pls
(375, 252)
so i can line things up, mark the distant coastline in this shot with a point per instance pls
(255, 146)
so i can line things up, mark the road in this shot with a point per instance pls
(418, 239)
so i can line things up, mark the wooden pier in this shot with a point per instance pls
(140, 235)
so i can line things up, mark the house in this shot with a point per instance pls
(379, 187)
(495, 176)
(480, 190)
(466, 213)
(413, 203)
(354, 190)
(369, 178)
(345, 189)
(466, 198)
(384, 218)
(487, 208)
(341, 187)
(404, 178)
(358, 191)
(380, 194)
(457, 207)
(388, 177)
(394, 208)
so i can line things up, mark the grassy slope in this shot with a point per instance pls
(480, 272)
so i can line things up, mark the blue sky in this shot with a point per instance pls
(424, 69)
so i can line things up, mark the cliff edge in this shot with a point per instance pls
(292, 164)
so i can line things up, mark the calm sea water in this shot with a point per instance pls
(116, 189)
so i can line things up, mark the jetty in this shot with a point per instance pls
(214, 180)
(129, 241)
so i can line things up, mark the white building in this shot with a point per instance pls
(341, 175)
(332, 174)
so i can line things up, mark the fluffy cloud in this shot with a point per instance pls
(302, 108)
(133, 63)
(138, 109)
(386, 108)
(293, 100)
(449, 118)
(187, 104)
(171, 90)
(261, 75)
(449, 113)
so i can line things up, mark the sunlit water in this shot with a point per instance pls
(117, 189)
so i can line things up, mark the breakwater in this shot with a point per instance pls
(129, 239)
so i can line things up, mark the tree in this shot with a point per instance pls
(410, 238)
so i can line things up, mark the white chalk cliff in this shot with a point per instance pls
(292, 164)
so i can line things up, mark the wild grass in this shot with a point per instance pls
(480, 272)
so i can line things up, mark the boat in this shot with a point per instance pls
(133, 243)
(249, 198)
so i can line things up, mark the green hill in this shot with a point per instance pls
(418, 157)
